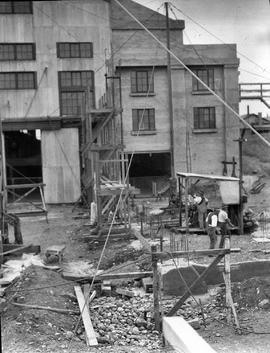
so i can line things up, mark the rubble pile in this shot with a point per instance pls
(122, 321)
(252, 293)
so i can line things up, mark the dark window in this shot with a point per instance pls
(16, 7)
(17, 80)
(204, 118)
(23, 51)
(73, 86)
(206, 75)
(142, 81)
(74, 50)
(143, 119)
(7, 52)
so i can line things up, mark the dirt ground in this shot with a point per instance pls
(28, 330)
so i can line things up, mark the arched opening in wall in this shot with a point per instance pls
(23, 160)
(150, 170)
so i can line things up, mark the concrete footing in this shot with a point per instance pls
(182, 337)
(173, 284)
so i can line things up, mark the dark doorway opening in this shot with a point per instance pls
(23, 160)
(149, 168)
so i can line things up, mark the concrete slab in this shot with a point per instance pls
(182, 337)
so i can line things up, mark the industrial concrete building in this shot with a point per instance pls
(201, 133)
(54, 57)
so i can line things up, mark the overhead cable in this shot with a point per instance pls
(216, 37)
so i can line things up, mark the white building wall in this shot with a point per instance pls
(52, 22)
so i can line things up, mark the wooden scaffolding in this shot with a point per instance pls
(255, 91)
(104, 165)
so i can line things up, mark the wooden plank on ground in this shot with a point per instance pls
(17, 249)
(107, 276)
(91, 339)
(182, 337)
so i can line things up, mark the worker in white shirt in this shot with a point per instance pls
(223, 223)
(212, 221)
(201, 202)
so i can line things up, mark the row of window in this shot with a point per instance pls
(144, 119)
(27, 51)
(13, 7)
(72, 86)
(142, 80)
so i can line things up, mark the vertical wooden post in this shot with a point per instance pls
(3, 193)
(241, 222)
(155, 288)
(180, 201)
(186, 215)
(169, 78)
(227, 280)
(98, 200)
(161, 238)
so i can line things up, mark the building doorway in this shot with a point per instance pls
(23, 159)
(149, 168)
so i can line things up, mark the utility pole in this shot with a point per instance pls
(169, 77)
(2, 191)
(3, 208)
(240, 144)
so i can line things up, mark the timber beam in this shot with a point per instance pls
(213, 252)
(100, 125)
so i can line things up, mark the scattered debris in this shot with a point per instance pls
(38, 307)
(106, 288)
(148, 284)
(125, 292)
(54, 254)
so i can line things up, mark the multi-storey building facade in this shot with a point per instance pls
(50, 53)
(53, 59)
(203, 130)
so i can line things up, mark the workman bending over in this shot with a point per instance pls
(212, 221)
(223, 223)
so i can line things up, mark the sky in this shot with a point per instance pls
(244, 22)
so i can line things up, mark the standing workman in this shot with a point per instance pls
(223, 223)
(201, 202)
(211, 222)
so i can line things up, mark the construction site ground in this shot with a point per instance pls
(29, 330)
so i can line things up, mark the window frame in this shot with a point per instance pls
(200, 124)
(151, 125)
(13, 10)
(16, 76)
(80, 44)
(15, 47)
(149, 85)
(209, 81)
(75, 88)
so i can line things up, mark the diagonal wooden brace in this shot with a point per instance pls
(181, 301)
